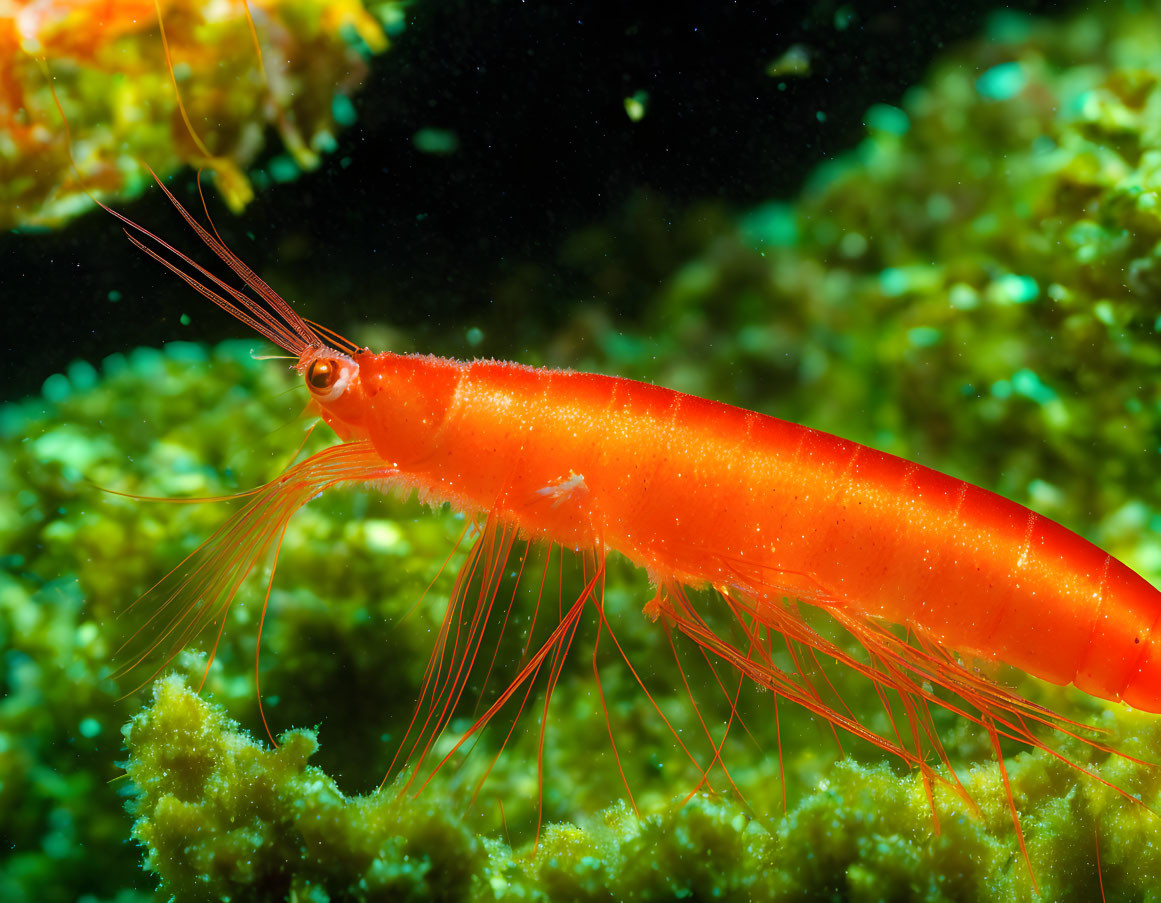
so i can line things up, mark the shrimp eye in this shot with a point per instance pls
(321, 374)
(327, 378)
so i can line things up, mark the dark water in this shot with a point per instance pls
(534, 93)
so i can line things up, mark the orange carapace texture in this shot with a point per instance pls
(699, 492)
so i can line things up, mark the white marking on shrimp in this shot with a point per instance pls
(1027, 545)
(565, 488)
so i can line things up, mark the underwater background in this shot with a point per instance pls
(933, 229)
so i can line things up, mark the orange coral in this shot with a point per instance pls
(107, 61)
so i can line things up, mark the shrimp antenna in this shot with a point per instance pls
(341, 342)
(290, 332)
(275, 319)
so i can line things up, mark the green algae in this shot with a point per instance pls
(225, 817)
(222, 815)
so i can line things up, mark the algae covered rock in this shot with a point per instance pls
(224, 817)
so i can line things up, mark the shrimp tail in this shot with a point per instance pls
(199, 591)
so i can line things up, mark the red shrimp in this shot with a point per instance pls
(698, 493)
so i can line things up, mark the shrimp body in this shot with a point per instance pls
(696, 492)
(700, 492)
